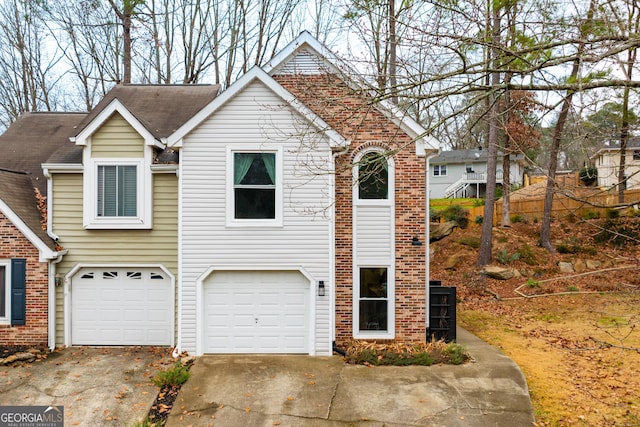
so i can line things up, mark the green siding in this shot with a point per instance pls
(156, 246)
(116, 138)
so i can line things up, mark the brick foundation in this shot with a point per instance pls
(13, 244)
(347, 111)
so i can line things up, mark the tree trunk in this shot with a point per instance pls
(486, 240)
(624, 132)
(545, 227)
(506, 189)
(393, 46)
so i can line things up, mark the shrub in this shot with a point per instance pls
(590, 215)
(479, 219)
(572, 288)
(517, 218)
(533, 283)
(565, 248)
(503, 257)
(613, 213)
(456, 353)
(458, 214)
(527, 255)
(615, 233)
(178, 374)
(477, 203)
(589, 175)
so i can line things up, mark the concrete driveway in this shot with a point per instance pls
(97, 386)
(231, 391)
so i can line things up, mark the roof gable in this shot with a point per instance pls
(256, 73)
(305, 55)
(155, 111)
(19, 204)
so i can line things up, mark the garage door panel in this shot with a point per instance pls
(256, 312)
(121, 307)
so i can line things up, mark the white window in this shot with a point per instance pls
(117, 194)
(439, 170)
(255, 188)
(117, 191)
(373, 177)
(5, 293)
(373, 300)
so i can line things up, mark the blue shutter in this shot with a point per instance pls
(18, 291)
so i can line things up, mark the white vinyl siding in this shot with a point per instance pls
(258, 118)
(303, 63)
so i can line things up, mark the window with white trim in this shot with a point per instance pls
(636, 154)
(117, 194)
(373, 177)
(117, 191)
(254, 187)
(5, 292)
(373, 300)
(439, 170)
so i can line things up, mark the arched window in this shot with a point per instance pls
(373, 176)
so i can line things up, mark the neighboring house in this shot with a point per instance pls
(238, 223)
(607, 162)
(463, 173)
(27, 254)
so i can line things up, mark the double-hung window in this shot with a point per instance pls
(117, 194)
(374, 300)
(117, 191)
(439, 170)
(255, 192)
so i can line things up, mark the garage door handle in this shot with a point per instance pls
(256, 320)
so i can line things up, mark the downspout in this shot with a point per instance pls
(51, 310)
(332, 246)
(52, 298)
(178, 348)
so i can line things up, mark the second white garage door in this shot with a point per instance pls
(121, 306)
(256, 312)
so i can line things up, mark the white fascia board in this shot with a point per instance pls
(62, 168)
(256, 73)
(46, 253)
(115, 106)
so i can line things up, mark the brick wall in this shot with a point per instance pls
(34, 334)
(351, 113)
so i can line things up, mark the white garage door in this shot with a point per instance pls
(256, 312)
(121, 306)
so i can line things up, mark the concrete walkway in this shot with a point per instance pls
(322, 391)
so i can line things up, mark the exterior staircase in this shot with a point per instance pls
(466, 180)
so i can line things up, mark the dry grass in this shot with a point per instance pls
(580, 354)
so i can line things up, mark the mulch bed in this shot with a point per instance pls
(161, 407)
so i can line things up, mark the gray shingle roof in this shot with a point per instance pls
(17, 191)
(32, 139)
(161, 109)
(460, 156)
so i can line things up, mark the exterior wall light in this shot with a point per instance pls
(416, 241)
(321, 290)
